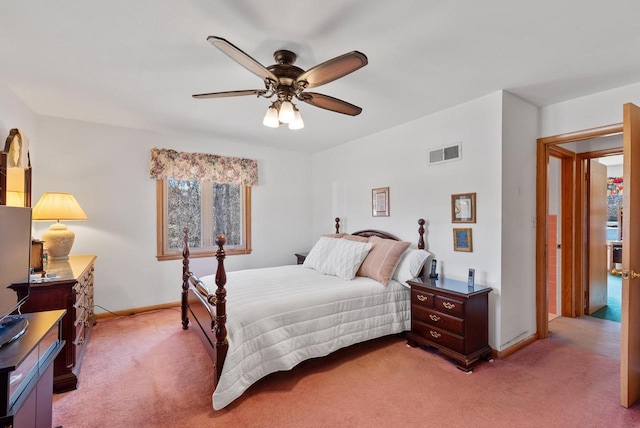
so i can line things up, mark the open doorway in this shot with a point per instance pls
(578, 244)
(614, 193)
(575, 248)
(630, 312)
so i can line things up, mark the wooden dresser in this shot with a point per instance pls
(70, 289)
(451, 317)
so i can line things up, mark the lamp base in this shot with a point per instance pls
(58, 240)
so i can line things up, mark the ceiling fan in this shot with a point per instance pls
(286, 81)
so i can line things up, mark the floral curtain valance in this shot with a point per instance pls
(167, 163)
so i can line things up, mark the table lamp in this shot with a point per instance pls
(58, 240)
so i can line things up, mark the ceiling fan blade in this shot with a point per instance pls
(256, 92)
(333, 69)
(242, 58)
(329, 103)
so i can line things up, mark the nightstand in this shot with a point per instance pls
(301, 257)
(452, 317)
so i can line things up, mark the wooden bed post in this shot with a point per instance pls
(421, 232)
(221, 307)
(337, 224)
(185, 278)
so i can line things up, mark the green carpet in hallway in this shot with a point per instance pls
(614, 297)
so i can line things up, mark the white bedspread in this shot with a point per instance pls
(278, 317)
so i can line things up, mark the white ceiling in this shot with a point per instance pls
(137, 63)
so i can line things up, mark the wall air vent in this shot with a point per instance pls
(445, 154)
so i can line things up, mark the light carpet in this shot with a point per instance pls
(146, 371)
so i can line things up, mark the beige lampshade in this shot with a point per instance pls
(58, 206)
(58, 240)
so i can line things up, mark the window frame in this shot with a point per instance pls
(161, 225)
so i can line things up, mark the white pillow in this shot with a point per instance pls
(410, 265)
(319, 253)
(346, 258)
(338, 257)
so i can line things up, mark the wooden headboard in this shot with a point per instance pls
(385, 235)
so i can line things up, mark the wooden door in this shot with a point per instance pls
(597, 237)
(630, 328)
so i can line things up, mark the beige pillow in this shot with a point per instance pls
(382, 259)
(334, 235)
(355, 238)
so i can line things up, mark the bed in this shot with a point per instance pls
(351, 288)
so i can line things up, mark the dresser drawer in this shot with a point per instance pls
(449, 306)
(79, 339)
(438, 319)
(439, 336)
(421, 298)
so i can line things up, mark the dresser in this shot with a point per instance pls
(452, 317)
(72, 289)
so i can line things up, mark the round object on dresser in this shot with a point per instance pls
(58, 240)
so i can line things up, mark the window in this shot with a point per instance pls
(209, 194)
(207, 209)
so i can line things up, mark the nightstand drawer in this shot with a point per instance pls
(438, 319)
(449, 306)
(441, 337)
(420, 298)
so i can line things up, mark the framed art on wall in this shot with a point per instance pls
(462, 240)
(380, 202)
(463, 208)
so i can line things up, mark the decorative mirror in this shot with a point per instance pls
(15, 171)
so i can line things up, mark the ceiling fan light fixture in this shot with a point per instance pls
(287, 115)
(297, 122)
(271, 117)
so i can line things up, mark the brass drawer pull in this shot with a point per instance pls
(448, 305)
(434, 317)
(435, 334)
(422, 298)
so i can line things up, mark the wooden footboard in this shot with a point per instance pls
(208, 310)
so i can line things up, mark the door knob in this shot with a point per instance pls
(625, 273)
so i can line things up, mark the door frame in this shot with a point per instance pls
(567, 160)
(546, 147)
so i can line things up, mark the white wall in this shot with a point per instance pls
(107, 169)
(517, 308)
(344, 176)
(603, 108)
(614, 171)
(15, 114)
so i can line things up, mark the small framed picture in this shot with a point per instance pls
(463, 208)
(462, 240)
(380, 202)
